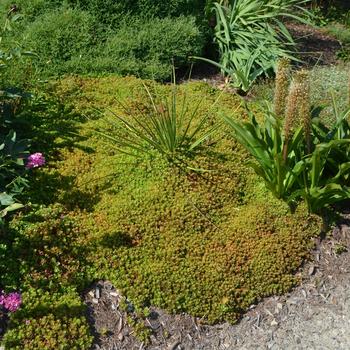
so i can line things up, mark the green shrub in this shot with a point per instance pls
(30, 9)
(173, 7)
(342, 33)
(48, 333)
(103, 37)
(13, 149)
(147, 48)
(112, 11)
(60, 35)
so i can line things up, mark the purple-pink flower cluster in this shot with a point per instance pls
(11, 302)
(35, 160)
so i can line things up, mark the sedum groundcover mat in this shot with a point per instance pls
(207, 242)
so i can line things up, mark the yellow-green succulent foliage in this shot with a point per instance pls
(206, 243)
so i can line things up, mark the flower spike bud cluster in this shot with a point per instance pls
(304, 106)
(281, 87)
(298, 109)
(291, 113)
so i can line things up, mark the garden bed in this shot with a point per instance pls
(208, 243)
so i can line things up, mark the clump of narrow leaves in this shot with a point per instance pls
(169, 127)
(251, 36)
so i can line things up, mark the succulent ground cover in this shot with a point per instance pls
(208, 243)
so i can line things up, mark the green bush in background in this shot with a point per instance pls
(111, 11)
(251, 36)
(148, 48)
(60, 35)
(141, 38)
(30, 9)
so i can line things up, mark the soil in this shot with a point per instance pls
(314, 46)
(315, 315)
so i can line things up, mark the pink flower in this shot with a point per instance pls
(11, 301)
(35, 160)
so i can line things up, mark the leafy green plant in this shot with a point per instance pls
(328, 166)
(141, 37)
(251, 36)
(267, 145)
(12, 150)
(60, 35)
(337, 131)
(51, 332)
(110, 12)
(321, 189)
(12, 153)
(309, 162)
(29, 9)
(175, 132)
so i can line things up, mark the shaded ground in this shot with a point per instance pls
(314, 46)
(316, 315)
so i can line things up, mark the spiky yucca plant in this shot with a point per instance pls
(174, 130)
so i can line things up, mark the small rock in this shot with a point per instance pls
(97, 293)
(120, 336)
(174, 346)
(153, 339)
(274, 323)
(277, 310)
(95, 301)
(114, 294)
(312, 270)
(91, 293)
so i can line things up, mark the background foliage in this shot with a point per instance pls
(141, 38)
